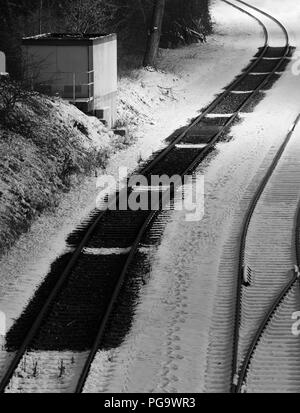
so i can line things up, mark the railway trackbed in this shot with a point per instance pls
(266, 344)
(266, 330)
(79, 302)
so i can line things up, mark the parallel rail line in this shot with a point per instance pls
(240, 374)
(240, 371)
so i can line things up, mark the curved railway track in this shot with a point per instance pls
(266, 352)
(125, 229)
(270, 292)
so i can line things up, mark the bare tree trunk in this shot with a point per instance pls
(155, 33)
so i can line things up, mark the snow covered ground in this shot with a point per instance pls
(172, 333)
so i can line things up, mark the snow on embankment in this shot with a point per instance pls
(48, 144)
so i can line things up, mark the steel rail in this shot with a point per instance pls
(245, 366)
(270, 17)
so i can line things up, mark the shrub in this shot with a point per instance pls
(12, 93)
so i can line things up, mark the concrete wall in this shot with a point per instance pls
(106, 78)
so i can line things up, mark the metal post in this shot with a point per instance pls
(74, 88)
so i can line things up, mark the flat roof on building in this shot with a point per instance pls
(69, 39)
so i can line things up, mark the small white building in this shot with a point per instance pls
(2, 64)
(2, 325)
(81, 68)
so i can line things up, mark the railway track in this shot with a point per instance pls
(268, 290)
(72, 308)
(266, 339)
